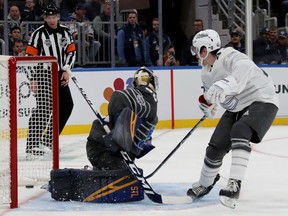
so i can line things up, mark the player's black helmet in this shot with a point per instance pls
(50, 9)
(145, 77)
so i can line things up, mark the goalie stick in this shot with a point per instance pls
(151, 194)
(175, 149)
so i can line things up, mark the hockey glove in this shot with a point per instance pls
(219, 90)
(209, 110)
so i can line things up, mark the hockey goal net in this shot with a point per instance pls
(28, 123)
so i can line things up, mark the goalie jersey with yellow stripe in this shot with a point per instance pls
(140, 100)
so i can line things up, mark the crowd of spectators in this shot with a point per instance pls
(237, 40)
(104, 35)
(190, 59)
(271, 47)
(137, 42)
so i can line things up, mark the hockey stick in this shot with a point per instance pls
(46, 129)
(175, 149)
(151, 194)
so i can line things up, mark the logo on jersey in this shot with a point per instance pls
(47, 42)
(230, 102)
(63, 42)
(140, 100)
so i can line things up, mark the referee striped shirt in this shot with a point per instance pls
(58, 42)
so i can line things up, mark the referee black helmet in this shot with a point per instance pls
(50, 9)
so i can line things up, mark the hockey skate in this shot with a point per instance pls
(230, 194)
(41, 153)
(198, 191)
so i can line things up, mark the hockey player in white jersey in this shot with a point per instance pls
(247, 93)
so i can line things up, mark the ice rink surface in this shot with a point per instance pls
(264, 189)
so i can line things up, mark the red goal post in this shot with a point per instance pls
(29, 140)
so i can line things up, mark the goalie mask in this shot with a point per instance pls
(207, 38)
(145, 77)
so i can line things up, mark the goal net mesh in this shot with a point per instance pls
(34, 123)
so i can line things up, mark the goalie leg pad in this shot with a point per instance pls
(60, 184)
(95, 186)
(97, 148)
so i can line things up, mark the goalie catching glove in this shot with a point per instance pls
(219, 90)
(209, 110)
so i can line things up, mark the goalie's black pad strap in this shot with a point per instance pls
(95, 186)
(125, 128)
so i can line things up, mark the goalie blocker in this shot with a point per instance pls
(95, 186)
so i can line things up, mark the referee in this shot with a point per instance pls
(50, 39)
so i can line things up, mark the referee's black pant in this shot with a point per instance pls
(40, 122)
(65, 106)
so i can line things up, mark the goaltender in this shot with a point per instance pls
(132, 119)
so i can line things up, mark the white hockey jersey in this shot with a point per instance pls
(253, 83)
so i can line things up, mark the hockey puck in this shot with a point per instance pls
(29, 186)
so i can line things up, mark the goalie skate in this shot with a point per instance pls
(198, 191)
(229, 195)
